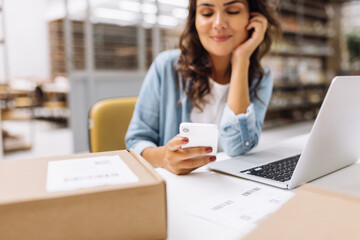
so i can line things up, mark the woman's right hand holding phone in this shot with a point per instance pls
(176, 159)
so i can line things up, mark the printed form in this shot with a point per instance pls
(65, 175)
(241, 209)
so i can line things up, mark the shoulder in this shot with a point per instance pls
(165, 65)
(167, 58)
(163, 69)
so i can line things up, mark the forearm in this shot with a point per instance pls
(238, 133)
(154, 155)
(239, 98)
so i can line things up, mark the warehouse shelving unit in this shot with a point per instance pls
(3, 65)
(16, 104)
(299, 63)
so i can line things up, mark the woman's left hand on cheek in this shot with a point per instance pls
(258, 23)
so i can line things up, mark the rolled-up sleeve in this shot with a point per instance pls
(240, 133)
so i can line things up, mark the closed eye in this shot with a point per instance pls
(207, 14)
(233, 12)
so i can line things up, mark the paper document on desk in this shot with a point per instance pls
(74, 174)
(241, 209)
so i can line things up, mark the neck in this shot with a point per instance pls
(221, 66)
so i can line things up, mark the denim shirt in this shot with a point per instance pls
(158, 113)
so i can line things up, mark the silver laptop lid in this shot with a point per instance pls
(334, 141)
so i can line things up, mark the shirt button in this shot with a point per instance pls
(247, 143)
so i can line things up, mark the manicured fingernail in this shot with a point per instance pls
(208, 150)
(185, 140)
(212, 158)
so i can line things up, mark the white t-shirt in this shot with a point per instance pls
(214, 107)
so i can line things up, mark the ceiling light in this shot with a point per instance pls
(180, 12)
(149, 18)
(149, 8)
(130, 6)
(179, 3)
(115, 14)
(167, 21)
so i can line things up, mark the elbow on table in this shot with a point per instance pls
(236, 148)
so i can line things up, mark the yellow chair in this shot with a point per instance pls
(108, 122)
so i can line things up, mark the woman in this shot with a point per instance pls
(215, 77)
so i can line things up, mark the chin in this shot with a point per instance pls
(220, 52)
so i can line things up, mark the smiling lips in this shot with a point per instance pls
(220, 38)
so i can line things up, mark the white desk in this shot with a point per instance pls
(183, 191)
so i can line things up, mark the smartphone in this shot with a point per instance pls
(200, 135)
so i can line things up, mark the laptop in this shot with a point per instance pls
(333, 143)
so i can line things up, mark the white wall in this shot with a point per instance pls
(27, 38)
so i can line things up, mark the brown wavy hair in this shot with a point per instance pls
(194, 63)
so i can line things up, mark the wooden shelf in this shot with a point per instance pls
(16, 147)
(55, 105)
(307, 33)
(299, 53)
(301, 85)
(16, 106)
(52, 113)
(13, 142)
(281, 122)
(17, 118)
(294, 107)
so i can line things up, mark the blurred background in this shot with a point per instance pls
(58, 57)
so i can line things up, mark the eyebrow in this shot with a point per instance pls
(232, 2)
(225, 4)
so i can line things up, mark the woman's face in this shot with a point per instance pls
(221, 24)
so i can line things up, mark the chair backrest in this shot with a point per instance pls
(108, 122)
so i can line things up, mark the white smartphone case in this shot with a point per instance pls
(200, 135)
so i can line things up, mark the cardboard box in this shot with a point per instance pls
(313, 213)
(126, 211)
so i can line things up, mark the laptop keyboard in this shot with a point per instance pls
(281, 170)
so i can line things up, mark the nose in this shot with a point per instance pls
(220, 22)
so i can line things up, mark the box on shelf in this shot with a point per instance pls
(32, 208)
(55, 104)
(312, 213)
(14, 142)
